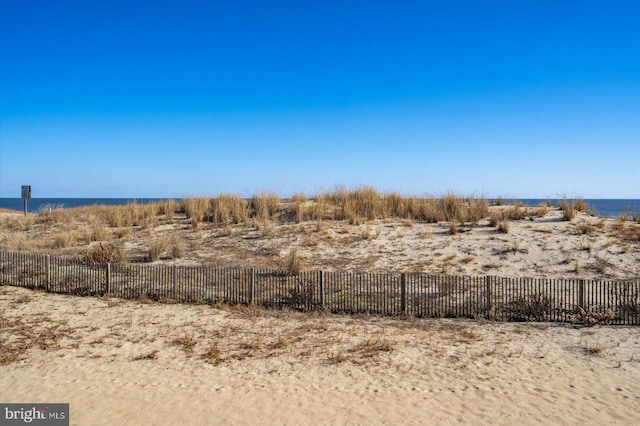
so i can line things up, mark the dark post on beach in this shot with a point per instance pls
(26, 194)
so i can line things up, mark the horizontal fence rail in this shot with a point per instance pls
(411, 294)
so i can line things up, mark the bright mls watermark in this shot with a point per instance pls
(39, 414)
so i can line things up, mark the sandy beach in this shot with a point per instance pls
(125, 362)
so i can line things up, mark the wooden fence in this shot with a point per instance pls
(413, 294)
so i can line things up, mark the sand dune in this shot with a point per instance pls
(545, 246)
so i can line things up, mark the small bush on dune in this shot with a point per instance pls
(580, 205)
(228, 208)
(156, 249)
(591, 317)
(175, 248)
(453, 228)
(168, 208)
(504, 227)
(103, 254)
(293, 262)
(300, 212)
(298, 200)
(396, 206)
(132, 214)
(98, 232)
(477, 210)
(62, 240)
(264, 206)
(518, 212)
(451, 207)
(195, 208)
(494, 220)
(568, 213)
(585, 228)
(542, 210)
(298, 197)
(563, 204)
(368, 203)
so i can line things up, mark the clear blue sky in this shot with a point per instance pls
(188, 98)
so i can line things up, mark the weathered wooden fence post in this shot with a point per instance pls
(252, 286)
(322, 289)
(403, 293)
(48, 272)
(489, 301)
(175, 282)
(108, 279)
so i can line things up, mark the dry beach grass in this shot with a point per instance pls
(135, 362)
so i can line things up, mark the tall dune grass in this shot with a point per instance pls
(59, 229)
(264, 206)
(226, 209)
(367, 203)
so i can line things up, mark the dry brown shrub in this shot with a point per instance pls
(187, 342)
(264, 206)
(195, 208)
(594, 349)
(563, 203)
(293, 262)
(103, 254)
(118, 217)
(146, 357)
(568, 213)
(23, 299)
(580, 205)
(504, 227)
(225, 209)
(298, 197)
(601, 265)
(494, 219)
(397, 206)
(626, 231)
(157, 248)
(451, 208)
(585, 228)
(300, 212)
(453, 228)
(62, 240)
(373, 347)
(213, 354)
(590, 317)
(517, 212)
(168, 208)
(477, 210)
(98, 232)
(175, 248)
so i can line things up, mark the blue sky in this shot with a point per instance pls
(196, 98)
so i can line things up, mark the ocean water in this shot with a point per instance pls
(602, 207)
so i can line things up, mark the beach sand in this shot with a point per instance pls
(132, 363)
